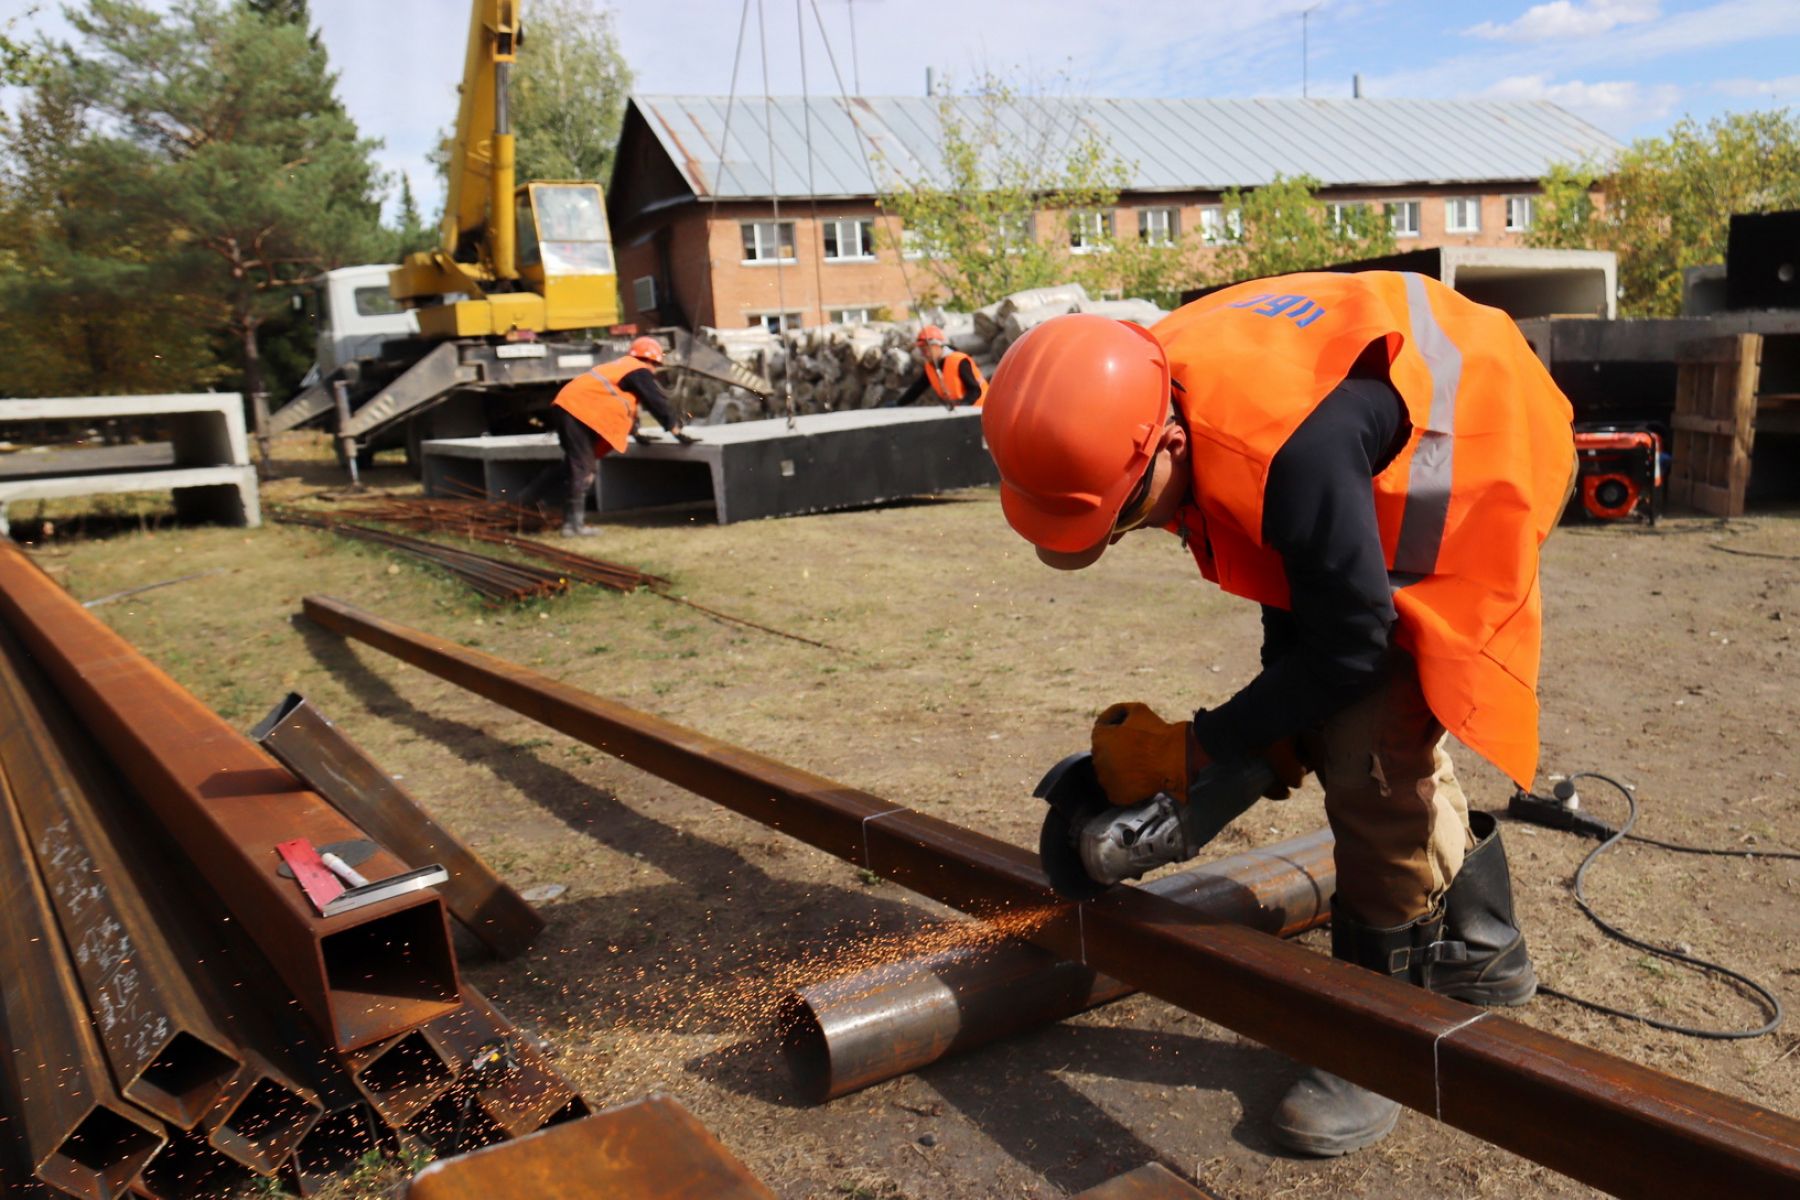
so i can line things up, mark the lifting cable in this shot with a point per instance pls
(787, 358)
(1770, 1003)
(718, 180)
(812, 190)
(912, 297)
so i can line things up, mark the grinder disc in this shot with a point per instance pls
(1074, 797)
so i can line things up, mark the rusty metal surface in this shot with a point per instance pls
(651, 1148)
(363, 976)
(330, 1150)
(515, 1086)
(323, 757)
(167, 1052)
(1475, 1069)
(78, 1135)
(190, 1169)
(842, 1035)
(401, 1076)
(1152, 1181)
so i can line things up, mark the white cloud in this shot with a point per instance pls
(1784, 88)
(1599, 101)
(1563, 19)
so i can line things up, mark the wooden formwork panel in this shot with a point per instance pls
(1715, 423)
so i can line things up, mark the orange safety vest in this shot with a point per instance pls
(949, 384)
(1462, 508)
(596, 400)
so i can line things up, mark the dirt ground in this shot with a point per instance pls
(965, 670)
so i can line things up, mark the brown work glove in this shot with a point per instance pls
(1138, 754)
(1290, 772)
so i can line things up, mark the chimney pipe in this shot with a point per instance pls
(930, 83)
(1356, 86)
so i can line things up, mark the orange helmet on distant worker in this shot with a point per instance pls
(931, 333)
(648, 349)
(1072, 419)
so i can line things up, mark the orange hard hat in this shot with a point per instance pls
(1072, 419)
(931, 333)
(648, 349)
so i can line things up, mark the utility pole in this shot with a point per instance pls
(1305, 15)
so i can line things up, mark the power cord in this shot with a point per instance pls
(1564, 812)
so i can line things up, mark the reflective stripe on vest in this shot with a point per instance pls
(1429, 478)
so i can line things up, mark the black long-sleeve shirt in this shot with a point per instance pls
(971, 386)
(642, 384)
(1319, 516)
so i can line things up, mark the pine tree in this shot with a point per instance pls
(413, 234)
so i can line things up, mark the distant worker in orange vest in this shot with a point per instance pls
(595, 414)
(1375, 459)
(952, 375)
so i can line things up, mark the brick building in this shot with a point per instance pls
(716, 221)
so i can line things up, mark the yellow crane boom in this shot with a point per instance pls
(536, 257)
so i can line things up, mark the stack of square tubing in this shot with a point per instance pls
(177, 1016)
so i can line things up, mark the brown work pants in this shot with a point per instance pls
(1391, 796)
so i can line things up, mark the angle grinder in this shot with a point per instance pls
(1088, 844)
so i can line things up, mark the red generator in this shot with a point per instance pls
(1621, 471)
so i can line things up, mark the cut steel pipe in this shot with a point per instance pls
(1152, 1181)
(401, 1076)
(1507, 1083)
(262, 1116)
(326, 760)
(168, 1054)
(515, 1086)
(650, 1148)
(78, 1135)
(330, 1150)
(363, 976)
(849, 1033)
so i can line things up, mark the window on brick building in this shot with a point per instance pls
(1462, 214)
(1017, 230)
(1403, 217)
(775, 322)
(643, 292)
(849, 240)
(768, 241)
(1089, 231)
(850, 316)
(1343, 214)
(1218, 226)
(1159, 226)
(1519, 212)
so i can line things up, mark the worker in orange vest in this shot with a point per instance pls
(1375, 459)
(595, 414)
(952, 375)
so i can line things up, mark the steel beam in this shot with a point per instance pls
(1152, 1181)
(849, 1033)
(1472, 1068)
(326, 760)
(508, 1077)
(648, 1148)
(78, 1135)
(168, 1053)
(363, 976)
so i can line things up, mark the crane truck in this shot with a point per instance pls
(518, 296)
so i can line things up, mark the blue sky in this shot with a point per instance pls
(1631, 67)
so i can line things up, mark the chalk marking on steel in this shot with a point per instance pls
(868, 865)
(1437, 1087)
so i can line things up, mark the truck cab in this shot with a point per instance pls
(357, 313)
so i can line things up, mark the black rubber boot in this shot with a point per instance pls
(1482, 957)
(575, 514)
(1324, 1115)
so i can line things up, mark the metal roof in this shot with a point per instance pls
(859, 144)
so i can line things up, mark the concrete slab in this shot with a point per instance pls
(87, 460)
(224, 494)
(206, 428)
(749, 469)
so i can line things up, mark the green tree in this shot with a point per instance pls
(89, 302)
(568, 91)
(222, 125)
(19, 63)
(1666, 203)
(1009, 164)
(1283, 227)
(1137, 267)
(411, 233)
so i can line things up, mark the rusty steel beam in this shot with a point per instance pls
(363, 976)
(1645, 1133)
(841, 1035)
(1152, 1181)
(402, 1076)
(507, 1076)
(261, 1117)
(191, 1169)
(168, 1054)
(323, 757)
(78, 1135)
(331, 1149)
(649, 1148)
